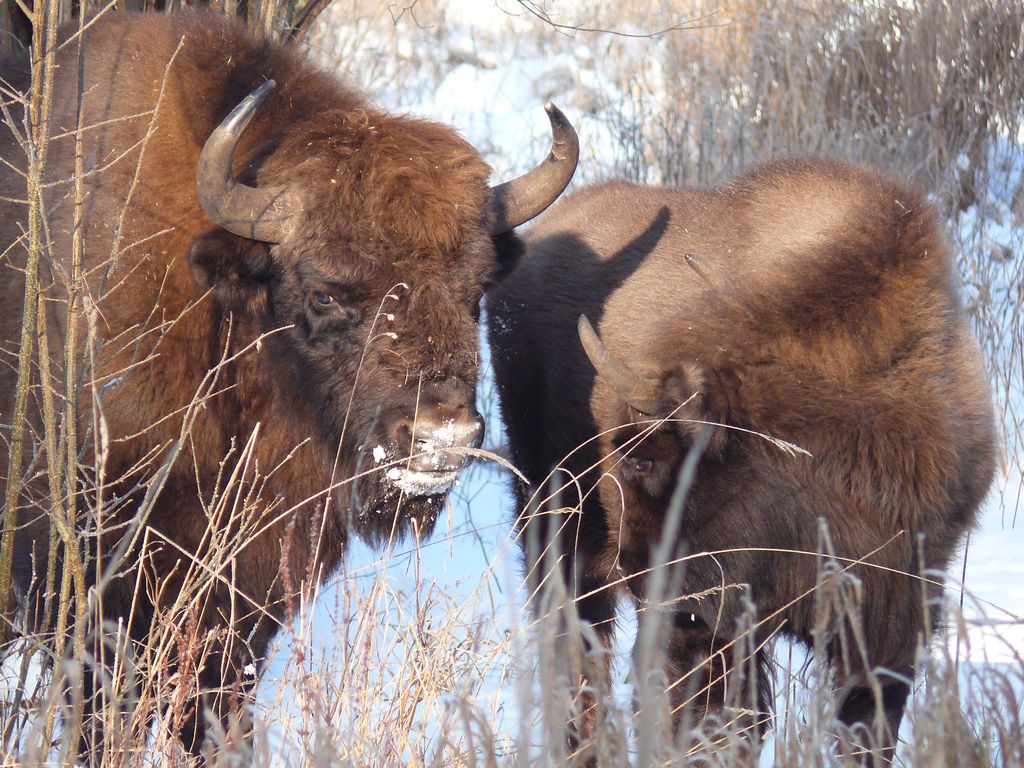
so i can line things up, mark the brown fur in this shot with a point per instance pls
(395, 227)
(822, 311)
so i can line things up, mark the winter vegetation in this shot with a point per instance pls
(433, 652)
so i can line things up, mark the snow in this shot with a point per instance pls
(439, 438)
(992, 570)
(414, 483)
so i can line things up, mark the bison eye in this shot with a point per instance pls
(640, 465)
(325, 313)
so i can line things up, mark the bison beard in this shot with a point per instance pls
(809, 301)
(282, 287)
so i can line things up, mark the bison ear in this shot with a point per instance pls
(698, 405)
(235, 268)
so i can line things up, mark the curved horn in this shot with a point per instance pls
(519, 200)
(640, 392)
(264, 214)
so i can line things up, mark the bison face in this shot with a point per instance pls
(363, 253)
(373, 359)
(391, 364)
(650, 424)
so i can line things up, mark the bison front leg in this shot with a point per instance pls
(873, 648)
(575, 631)
(873, 711)
(224, 689)
(575, 610)
(592, 675)
(214, 710)
(716, 680)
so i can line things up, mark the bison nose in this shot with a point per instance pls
(435, 442)
(467, 432)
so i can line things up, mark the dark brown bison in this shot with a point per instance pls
(810, 301)
(275, 312)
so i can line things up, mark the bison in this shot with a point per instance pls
(747, 383)
(273, 293)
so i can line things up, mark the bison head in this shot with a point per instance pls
(648, 428)
(361, 249)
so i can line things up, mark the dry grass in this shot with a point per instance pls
(396, 667)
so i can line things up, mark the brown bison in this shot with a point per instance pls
(276, 298)
(811, 302)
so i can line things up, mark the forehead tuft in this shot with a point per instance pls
(387, 186)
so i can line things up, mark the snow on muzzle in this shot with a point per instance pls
(434, 449)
